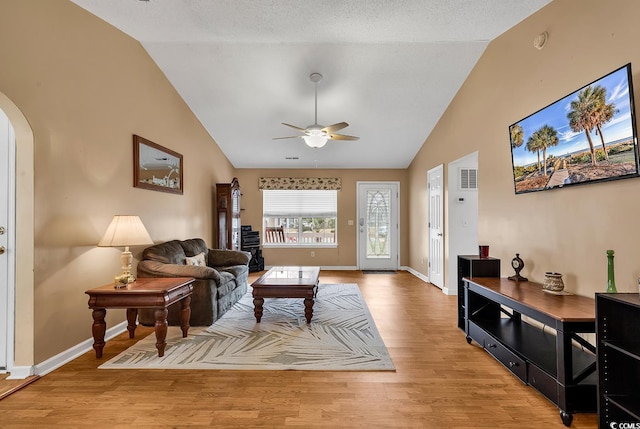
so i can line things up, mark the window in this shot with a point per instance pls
(299, 217)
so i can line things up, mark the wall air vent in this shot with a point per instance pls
(468, 178)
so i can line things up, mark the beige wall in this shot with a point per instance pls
(566, 230)
(85, 88)
(345, 255)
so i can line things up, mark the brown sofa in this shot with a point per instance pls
(219, 284)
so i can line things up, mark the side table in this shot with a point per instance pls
(157, 293)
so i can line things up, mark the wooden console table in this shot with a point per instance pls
(157, 293)
(544, 351)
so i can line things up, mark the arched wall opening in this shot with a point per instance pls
(22, 362)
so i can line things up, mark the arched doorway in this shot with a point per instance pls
(7, 239)
(19, 235)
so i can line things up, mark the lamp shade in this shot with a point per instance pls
(125, 231)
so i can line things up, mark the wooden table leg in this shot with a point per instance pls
(161, 330)
(98, 329)
(132, 315)
(185, 315)
(308, 309)
(257, 308)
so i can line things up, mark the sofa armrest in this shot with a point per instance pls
(159, 269)
(225, 258)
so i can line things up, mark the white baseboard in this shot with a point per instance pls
(331, 268)
(55, 362)
(445, 290)
(449, 291)
(21, 372)
(418, 274)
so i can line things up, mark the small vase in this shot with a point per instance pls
(553, 282)
(611, 280)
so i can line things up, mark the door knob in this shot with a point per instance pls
(1, 250)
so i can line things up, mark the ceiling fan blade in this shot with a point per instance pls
(335, 127)
(289, 137)
(294, 127)
(343, 137)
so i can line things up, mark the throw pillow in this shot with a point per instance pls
(196, 260)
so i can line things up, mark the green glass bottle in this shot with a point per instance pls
(611, 281)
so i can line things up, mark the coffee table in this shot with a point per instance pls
(156, 293)
(286, 282)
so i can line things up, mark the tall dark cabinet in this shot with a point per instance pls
(228, 215)
(473, 266)
(618, 358)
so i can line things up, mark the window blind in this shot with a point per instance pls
(294, 203)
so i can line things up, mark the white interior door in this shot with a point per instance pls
(6, 140)
(436, 239)
(378, 225)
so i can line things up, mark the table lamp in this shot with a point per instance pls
(125, 231)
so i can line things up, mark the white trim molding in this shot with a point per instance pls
(416, 273)
(55, 362)
(21, 372)
(332, 268)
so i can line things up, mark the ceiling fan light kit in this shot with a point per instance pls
(316, 136)
(315, 140)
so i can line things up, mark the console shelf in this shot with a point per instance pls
(627, 403)
(631, 348)
(543, 349)
(537, 345)
(618, 358)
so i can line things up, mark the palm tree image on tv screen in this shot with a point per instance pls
(588, 136)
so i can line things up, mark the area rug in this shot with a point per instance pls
(342, 336)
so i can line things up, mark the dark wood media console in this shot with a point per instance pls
(542, 349)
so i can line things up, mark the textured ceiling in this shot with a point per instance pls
(390, 68)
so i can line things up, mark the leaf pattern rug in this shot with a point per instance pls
(342, 336)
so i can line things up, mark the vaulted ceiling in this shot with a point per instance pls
(390, 69)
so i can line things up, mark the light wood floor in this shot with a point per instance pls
(8, 386)
(440, 382)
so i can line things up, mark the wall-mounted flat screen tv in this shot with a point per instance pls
(586, 137)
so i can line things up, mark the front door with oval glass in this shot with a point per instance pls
(377, 225)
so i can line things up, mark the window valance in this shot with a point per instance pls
(303, 183)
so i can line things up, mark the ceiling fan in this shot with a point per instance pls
(316, 135)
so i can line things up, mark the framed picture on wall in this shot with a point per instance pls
(155, 167)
